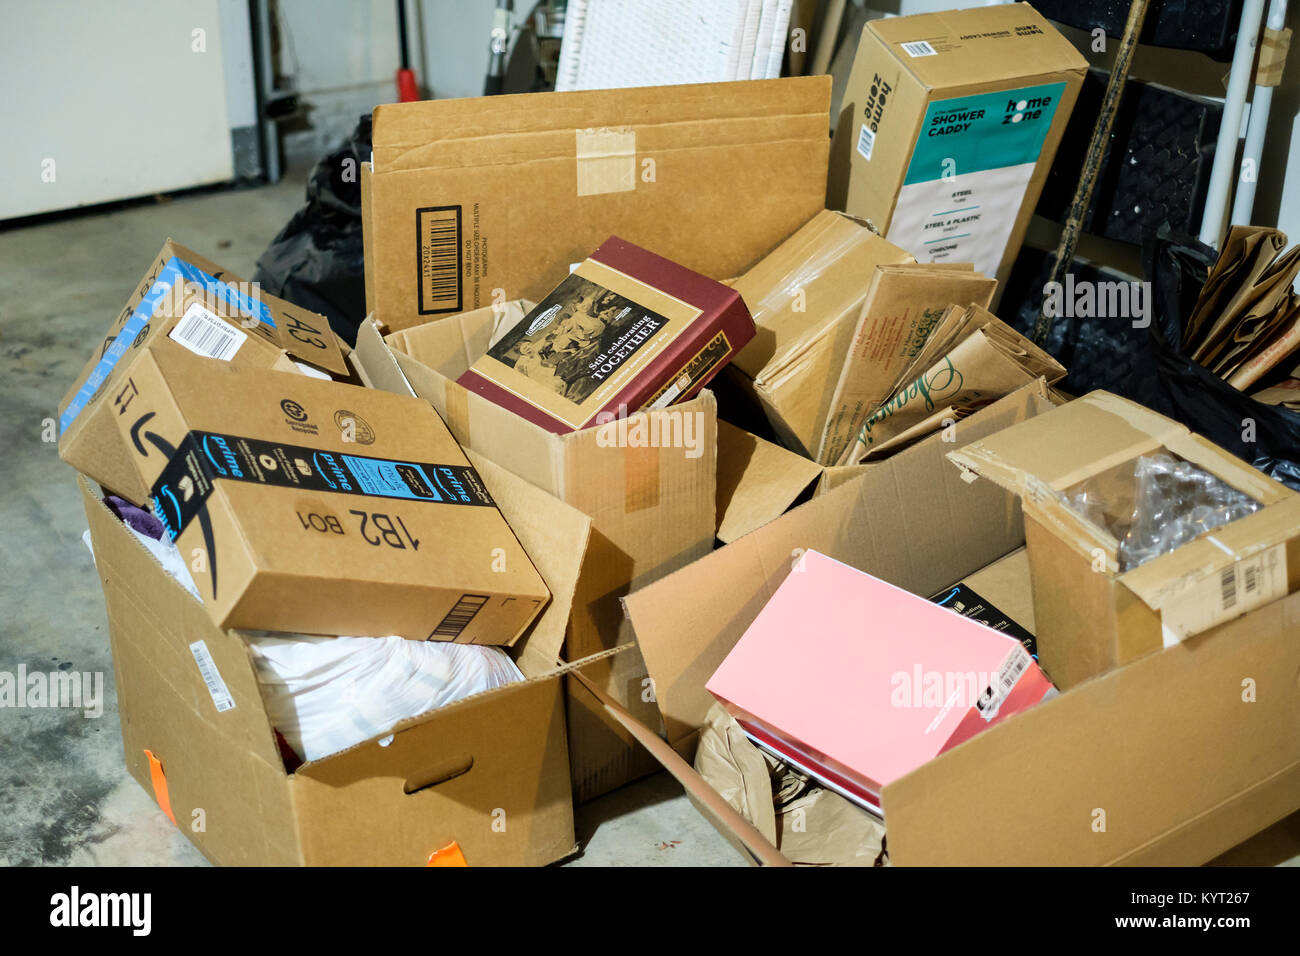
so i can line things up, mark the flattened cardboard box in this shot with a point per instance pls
(625, 330)
(323, 508)
(211, 312)
(1183, 768)
(647, 482)
(444, 777)
(1090, 617)
(465, 197)
(948, 127)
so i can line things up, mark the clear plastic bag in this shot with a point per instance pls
(1174, 501)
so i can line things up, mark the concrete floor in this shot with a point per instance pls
(65, 797)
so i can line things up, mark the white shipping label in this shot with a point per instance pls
(1236, 589)
(204, 333)
(866, 141)
(919, 48)
(221, 698)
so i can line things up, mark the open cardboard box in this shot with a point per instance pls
(759, 480)
(1091, 617)
(489, 773)
(1171, 759)
(651, 508)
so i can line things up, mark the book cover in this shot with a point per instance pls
(859, 682)
(626, 330)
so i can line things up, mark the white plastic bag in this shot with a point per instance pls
(325, 694)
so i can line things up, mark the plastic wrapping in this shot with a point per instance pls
(1173, 501)
(805, 271)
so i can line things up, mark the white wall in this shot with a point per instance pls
(109, 101)
(343, 55)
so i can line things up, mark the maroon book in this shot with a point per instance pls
(625, 331)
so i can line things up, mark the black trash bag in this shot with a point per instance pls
(1181, 389)
(316, 261)
(1098, 352)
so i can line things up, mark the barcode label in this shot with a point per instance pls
(221, 698)
(438, 269)
(1016, 664)
(203, 333)
(1242, 586)
(919, 48)
(1228, 587)
(866, 141)
(458, 617)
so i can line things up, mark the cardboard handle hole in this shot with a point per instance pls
(440, 772)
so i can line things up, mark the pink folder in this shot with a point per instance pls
(860, 682)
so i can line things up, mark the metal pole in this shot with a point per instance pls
(1261, 102)
(1225, 152)
(1137, 14)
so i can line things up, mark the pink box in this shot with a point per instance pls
(858, 682)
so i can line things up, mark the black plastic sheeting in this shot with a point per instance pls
(1184, 391)
(316, 261)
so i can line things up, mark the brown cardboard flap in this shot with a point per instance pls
(448, 346)
(531, 183)
(555, 537)
(177, 614)
(426, 134)
(1058, 450)
(1163, 747)
(495, 758)
(687, 622)
(757, 481)
(375, 363)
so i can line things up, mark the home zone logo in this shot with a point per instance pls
(1028, 109)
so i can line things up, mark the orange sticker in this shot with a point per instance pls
(160, 785)
(449, 855)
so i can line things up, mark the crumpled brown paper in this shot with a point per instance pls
(810, 825)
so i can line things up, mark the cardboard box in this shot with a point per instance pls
(1090, 616)
(625, 330)
(467, 197)
(322, 508)
(805, 296)
(211, 311)
(948, 127)
(489, 773)
(858, 682)
(647, 482)
(759, 481)
(1158, 762)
